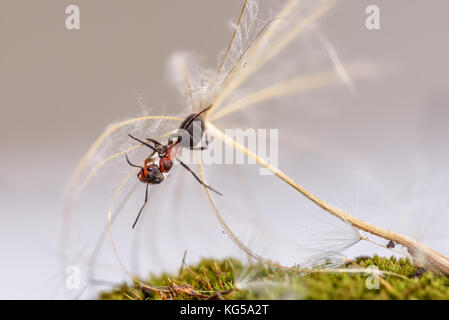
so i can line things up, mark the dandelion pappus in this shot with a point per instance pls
(155, 169)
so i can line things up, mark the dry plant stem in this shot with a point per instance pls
(226, 54)
(239, 75)
(268, 262)
(338, 66)
(283, 14)
(420, 252)
(234, 34)
(296, 85)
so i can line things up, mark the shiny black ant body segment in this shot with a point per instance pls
(152, 172)
(191, 131)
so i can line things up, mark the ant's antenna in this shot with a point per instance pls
(142, 142)
(132, 165)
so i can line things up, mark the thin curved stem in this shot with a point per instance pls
(100, 165)
(384, 246)
(94, 147)
(268, 262)
(111, 238)
(419, 251)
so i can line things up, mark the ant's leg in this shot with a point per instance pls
(146, 199)
(196, 177)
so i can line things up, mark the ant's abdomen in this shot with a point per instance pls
(193, 133)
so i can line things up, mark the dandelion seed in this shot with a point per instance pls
(244, 77)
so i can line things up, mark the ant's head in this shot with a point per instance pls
(150, 174)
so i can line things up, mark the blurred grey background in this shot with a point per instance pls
(59, 89)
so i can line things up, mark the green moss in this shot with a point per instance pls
(230, 279)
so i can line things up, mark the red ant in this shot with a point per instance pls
(152, 172)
